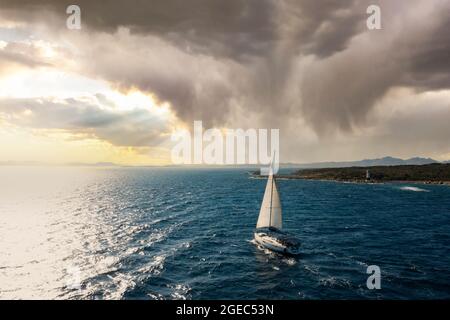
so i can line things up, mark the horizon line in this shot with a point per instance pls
(112, 164)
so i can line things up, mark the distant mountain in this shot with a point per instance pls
(419, 161)
(386, 161)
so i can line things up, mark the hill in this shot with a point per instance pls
(385, 161)
(431, 173)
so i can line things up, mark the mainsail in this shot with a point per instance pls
(270, 213)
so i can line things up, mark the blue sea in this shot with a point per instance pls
(173, 233)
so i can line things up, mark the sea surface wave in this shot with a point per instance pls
(164, 233)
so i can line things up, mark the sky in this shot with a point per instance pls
(137, 71)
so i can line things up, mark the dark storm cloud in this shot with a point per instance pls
(322, 27)
(412, 50)
(428, 59)
(126, 128)
(281, 59)
(234, 28)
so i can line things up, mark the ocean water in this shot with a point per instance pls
(160, 233)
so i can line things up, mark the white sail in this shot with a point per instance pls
(270, 213)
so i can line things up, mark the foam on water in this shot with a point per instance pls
(415, 189)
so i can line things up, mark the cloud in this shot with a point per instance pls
(415, 122)
(405, 123)
(265, 63)
(137, 127)
(16, 55)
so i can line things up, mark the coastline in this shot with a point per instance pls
(357, 181)
(431, 174)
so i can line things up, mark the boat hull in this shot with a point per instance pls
(273, 243)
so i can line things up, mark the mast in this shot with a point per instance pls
(271, 190)
(271, 197)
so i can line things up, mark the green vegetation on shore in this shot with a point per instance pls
(429, 173)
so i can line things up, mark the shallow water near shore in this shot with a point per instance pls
(160, 233)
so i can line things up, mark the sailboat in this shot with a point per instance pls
(268, 232)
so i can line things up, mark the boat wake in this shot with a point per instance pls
(415, 189)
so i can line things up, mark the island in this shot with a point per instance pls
(435, 173)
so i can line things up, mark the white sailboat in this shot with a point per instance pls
(268, 232)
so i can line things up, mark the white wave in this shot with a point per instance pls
(155, 267)
(334, 282)
(180, 291)
(121, 283)
(106, 265)
(312, 269)
(363, 264)
(415, 189)
(290, 261)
